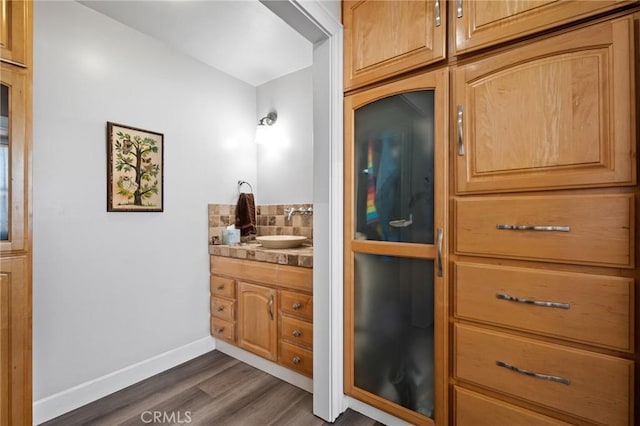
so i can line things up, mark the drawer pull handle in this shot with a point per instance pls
(509, 227)
(459, 9)
(532, 301)
(557, 379)
(296, 306)
(437, 12)
(219, 330)
(460, 136)
(270, 307)
(440, 238)
(296, 360)
(297, 333)
(220, 308)
(220, 287)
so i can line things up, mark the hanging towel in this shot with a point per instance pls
(372, 213)
(246, 214)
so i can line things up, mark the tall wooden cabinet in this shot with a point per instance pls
(15, 212)
(540, 283)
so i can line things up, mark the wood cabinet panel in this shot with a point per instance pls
(297, 304)
(222, 286)
(297, 331)
(257, 325)
(285, 276)
(580, 238)
(556, 113)
(15, 341)
(296, 358)
(222, 329)
(223, 309)
(474, 409)
(593, 309)
(484, 23)
(15, 31)
(386, 38)
(598, 387)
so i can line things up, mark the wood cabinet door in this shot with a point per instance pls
(15, 341)
(556, 113)
(15, 34)
(386, 38)
(483, 23)
(257, 325)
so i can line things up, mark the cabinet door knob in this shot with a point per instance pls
(297, 333)
(220, 308)
(219, 330)
(296, 360)
(296, 306)
(220, 287)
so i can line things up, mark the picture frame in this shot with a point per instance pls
(135, 169)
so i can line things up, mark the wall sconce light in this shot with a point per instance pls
(263, 132)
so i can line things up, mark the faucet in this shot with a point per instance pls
(290, 211)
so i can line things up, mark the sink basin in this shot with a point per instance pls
(281, 241)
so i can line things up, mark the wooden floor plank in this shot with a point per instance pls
(213, 389)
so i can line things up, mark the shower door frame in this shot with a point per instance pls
(437, 81)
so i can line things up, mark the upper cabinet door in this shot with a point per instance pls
(14, 34)
(386, 38)
(483, 23)
(556, 113)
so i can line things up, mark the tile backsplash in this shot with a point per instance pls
(271, 220)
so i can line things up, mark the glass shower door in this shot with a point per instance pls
(394, 197)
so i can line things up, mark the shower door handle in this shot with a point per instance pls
(439, 250)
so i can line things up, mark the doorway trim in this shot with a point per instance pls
(311, 19)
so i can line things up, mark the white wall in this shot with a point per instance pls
(334, 7)
(114, 289)
(285, 169)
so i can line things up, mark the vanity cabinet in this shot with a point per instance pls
(570, 125)
(16, 72)
(264, 308)
(374, 49)
(483, 23)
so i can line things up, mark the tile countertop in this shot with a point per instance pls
(300, 256)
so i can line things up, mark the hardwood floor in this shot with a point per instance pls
(213, 389)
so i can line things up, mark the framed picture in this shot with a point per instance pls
(135, 169)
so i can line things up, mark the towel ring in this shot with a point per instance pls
(242, 182)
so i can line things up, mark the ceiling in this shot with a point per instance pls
(239, 37)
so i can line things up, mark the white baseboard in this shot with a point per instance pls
(374, 413)
(267, 366)
(62, 402)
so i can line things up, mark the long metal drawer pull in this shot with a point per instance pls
(533, 228)
(557, 379)
(533, 301)
(460, 137)
(437, 12)
(459, 9)
(440, 238)
(270, 304)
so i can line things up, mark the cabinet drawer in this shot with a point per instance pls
(474, 409)
(296, 358)
(297, 331)
(221, 286)
(298, 304)
(595, 309)
(597, 387)
(579, 236)
(222, 329)
(556, 113)
(223, 308)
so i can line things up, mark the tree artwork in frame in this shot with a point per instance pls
(135, 169)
